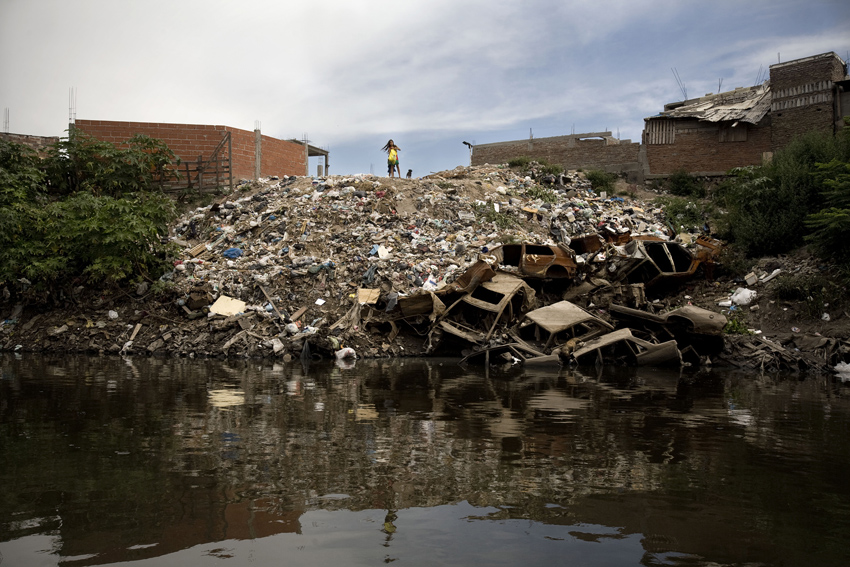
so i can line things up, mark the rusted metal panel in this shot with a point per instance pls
(477, 273)
(563, 315)
(536, 260)
(586, 244)
(653, 263)
(637, 351)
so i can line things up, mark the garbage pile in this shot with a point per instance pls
(483, 263)
(301, 266)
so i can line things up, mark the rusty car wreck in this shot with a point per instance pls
(501, 309)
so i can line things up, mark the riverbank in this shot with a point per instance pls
(279, 265)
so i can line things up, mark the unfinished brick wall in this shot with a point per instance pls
(188, 141)
(288, 157)
(581, 151)
(698, 148)
(803, 96)
(38, 143)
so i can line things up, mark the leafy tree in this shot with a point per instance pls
(89, 211)
(830, 227)
(83, 163)
(768, 205)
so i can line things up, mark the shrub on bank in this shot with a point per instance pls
(88, 212)
(802, 195)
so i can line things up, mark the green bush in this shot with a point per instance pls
(684, 214)
(735, 325)
(601, 180)
(768, 205)
(553, 169)
(537, 192)
(684, 184)
(88, 212)
(521, 161)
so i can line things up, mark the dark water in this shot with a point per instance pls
(189, 463)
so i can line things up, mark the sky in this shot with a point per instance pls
(430, 74)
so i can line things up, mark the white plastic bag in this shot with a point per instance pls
(743, 296)
(346, 352)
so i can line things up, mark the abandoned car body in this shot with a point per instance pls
(545, 335)
(622, 347)
(535, 260)
(559, 325)
(653, 263)
(488, 314)
(511, 353)
(690, 326)
(477, 315)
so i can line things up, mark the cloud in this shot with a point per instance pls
(345, 72)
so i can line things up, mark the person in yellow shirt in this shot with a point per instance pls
(392, 158)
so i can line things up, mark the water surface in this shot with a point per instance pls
(417, 462)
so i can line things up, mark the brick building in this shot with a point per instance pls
(708, 135)
(219, 152)
(712, 134)
(598, 150)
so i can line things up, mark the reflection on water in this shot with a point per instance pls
(178, 462)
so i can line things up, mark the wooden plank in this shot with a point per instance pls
(198, 249)
(269, 298)
(235, 338)
(135, 331)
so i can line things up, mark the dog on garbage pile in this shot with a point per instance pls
(409, 173)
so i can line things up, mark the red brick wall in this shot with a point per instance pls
(243, 154)
(188, 141)
(568, 151)
(698, 148)
(802, 96)
(38, 143)
(281, 155)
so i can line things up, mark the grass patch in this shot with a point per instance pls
(546, 195)
(484, 212)
(521, 161)
(818, 292)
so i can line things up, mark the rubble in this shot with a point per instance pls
(467, 261)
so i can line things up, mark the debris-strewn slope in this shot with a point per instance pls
(290, 254)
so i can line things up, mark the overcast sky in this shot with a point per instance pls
(428, 73)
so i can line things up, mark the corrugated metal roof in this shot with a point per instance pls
(748, 104)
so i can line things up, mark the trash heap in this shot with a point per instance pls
(277, 264)
(471, 262)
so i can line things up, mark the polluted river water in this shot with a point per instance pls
(155, 461)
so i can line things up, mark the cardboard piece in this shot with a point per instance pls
(227, 306)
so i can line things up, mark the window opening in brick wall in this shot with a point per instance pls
(736, 132)
(660, 132)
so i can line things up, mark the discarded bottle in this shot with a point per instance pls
(303, 260)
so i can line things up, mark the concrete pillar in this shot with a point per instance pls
(258, 153)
